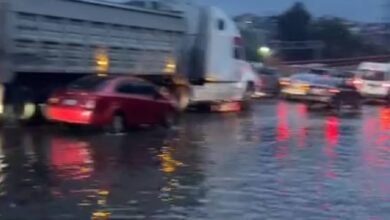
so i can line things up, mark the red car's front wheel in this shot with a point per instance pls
(169, 120)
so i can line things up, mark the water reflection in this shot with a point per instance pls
(302, 130)
(377, 136)
(331, 136)
(71, 159)
(168, 163)
(2, 169)
(331, 132)
(283, 132)
(211, 167)
(120, 175)
(291, 128)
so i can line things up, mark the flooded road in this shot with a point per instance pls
(277, 162)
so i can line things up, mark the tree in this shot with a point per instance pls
(338, 40)
(294, 25)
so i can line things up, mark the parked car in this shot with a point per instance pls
(333, 92)
(268, 81)
(297, 86)
(114, 102)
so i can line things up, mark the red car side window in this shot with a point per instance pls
(136, 88)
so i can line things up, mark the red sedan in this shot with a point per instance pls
(112, 101)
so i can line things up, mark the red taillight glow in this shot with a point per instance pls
(357, 82)
(284, 82)
(89, 104)
(334, 90)
(53, 100)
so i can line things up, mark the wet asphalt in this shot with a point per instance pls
(278, 161)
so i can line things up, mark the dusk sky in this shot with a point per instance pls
(359, 10)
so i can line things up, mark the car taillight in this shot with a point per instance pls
(334, 91)
(89, 104)
(387, 85)
(53, 100)
(357, 82)
(284, 82)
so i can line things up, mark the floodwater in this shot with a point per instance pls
(277, 162)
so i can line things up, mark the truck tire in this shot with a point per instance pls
(19, 105)
(29, 112)
(182, 95)
(246, 102)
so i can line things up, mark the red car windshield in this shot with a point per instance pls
(89, 83)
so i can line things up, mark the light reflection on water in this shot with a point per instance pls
(278, 162)
(3, 165)
(71, 159)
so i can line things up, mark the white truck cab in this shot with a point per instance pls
(216, 57)
(373, 80)
(195, 51)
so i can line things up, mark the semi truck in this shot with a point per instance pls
(194, 51)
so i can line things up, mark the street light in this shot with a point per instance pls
(102, 62)
(264, 51)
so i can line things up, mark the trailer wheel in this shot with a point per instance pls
(26, 109)
(246, 102)
(29, 111)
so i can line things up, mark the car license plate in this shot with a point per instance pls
(294, 91)
(317, 91)
(70, 102)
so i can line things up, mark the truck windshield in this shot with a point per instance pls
(89, 83)
(373, 75)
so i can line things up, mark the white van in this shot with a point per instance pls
(373, 80)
